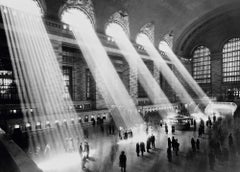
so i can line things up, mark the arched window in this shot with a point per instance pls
(202, 65)
(231, 60)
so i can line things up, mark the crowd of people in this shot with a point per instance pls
(217, 130)
(217, 150)
(173, 145)
(150, 144)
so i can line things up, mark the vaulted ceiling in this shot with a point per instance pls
(184, 17)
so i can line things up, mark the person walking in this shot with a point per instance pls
(123, 161)
(214, 118)
(169, 143)
(193, 143)
(80, 149)
(198, 144)
(230, 140)
(173, 143)
(176, 145)
(169, 154)
(173, 129)
(148, 144)
(166, 128)
(194, 125)
(142, 148)
(153, 141)
(137, 149)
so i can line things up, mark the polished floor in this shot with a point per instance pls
(103, 158)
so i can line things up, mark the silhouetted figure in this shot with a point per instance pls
(230, 140)
(125, 134)
(166, 128)
(85, 131)
(188, 125)
(153, 141)
(173, 143)
(211, 158)
(200, 130)
(80, 149)
(120, 134)
(194, 125)
(148, 144)
(142, 148)
(198, 144)
(122, 161)
(137, 149)
(176, 145)
(102, 127)
(173, 129)
(93, 122)
(214, 118)
(210, 122)
(113, 129)
(169, 154)
(161, 124)
(169, 143)
(193, 145)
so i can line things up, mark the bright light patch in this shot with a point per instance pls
(224, 108)
(113, 29)
(76, 18)
(107, 79)
(142, 39)
(161, 66)
(199, 116)
(28, 6)
(61, 162)
(163, 46)
(39, 76)
(137, 66)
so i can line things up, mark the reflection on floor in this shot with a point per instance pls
(104, 159)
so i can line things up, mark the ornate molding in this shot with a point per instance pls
(85, 6)
(149, 30)
(121, 18)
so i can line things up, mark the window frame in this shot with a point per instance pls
(201, 65)
(231, 62)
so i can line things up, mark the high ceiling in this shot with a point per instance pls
(176, 15)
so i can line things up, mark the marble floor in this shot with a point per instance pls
(103, 158)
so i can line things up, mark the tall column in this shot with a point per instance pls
(129, 74)
(216, 74)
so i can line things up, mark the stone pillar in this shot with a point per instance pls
(133, 83)
(156, 73)
(216, 74)
(129, 77)
(57, 47)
